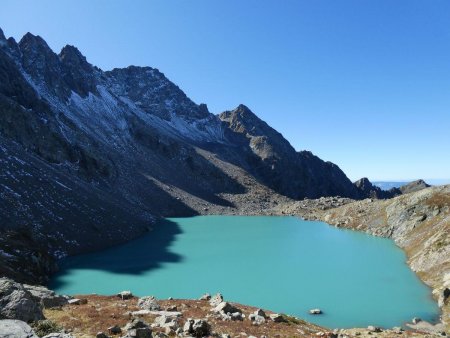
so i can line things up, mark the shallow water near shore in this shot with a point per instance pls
(283, 264)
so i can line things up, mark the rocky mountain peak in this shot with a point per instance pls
(2, 35)
(364, 184)
(151, 91)
(34, 42)
(414, 186)
(78, 73)
(367, 190)
(265, 141)
(71, 55)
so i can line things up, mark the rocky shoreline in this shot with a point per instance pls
(124, 315)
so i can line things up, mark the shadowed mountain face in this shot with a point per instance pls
(278, 164)
(90, 158)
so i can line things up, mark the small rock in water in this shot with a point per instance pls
(315, 311)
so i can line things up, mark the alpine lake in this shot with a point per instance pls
(282, 264)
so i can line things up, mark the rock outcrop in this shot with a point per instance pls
(274, 161)
(367, 190)
(15, 329)
(16, 302)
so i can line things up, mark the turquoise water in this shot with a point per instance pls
(278, 263)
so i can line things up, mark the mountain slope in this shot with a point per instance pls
(89, 158)
(278, 164)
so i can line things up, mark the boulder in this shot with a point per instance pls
(143, 332)
(48, 298)
(141, 313)
(172, 308)
(101, 335)
(237, 316)
(257, 319)
(277, 318)
(166, 322)
(216, 300)
(206, 296)
(59, 335)
(372, 328)
(77, 301)
(16, 329)
(196, 327)
(443, 297)
(261, 313)
(18, 303)
(172, 314)
(135, 324)
(416, 320)
(226, 307)
(149, 303)
(125, 295)
(114, 329)
(315, 311)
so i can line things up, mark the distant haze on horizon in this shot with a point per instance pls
(365, 85)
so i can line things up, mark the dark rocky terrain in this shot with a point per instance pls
(368, 190)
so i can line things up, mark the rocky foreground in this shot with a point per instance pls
(126, 316)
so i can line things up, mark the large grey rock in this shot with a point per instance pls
(226, 307)
(257, 319)
(48, 298)
(15, 329)
(125, 295)
(135, 324)
(277, 318)
(149, 303)
(18, 303)
(59, 335)
(196, 327)
(143, 332)
(166, 322)
(216, 300)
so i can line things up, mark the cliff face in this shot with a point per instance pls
(277, 164)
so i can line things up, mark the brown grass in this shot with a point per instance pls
(102, 312)
(439, 200)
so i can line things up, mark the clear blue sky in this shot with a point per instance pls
(364, 84)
